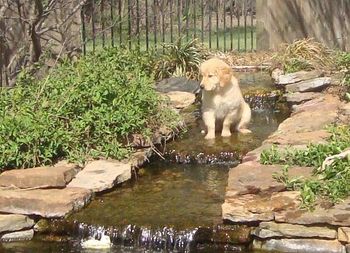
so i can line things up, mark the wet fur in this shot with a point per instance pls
(222, 100)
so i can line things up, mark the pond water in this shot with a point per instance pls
(172, 201)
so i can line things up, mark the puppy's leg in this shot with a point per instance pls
(245, 119)
(228, 120)
(209, 121)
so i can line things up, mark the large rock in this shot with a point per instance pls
(25, 235)
(44, 202)
(300, 245)
(253, 208)
(181, 99)
(307, 123)
(316, 84)
(344, 234)
(297, 77)
(272, 229)
(338, 215)
(177, 84)
(249, 178)
(298, 97)
(14, 222)
(41, 177)
(101, 175)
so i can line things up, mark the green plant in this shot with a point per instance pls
(331, 182)
(82, 109)
(181, 58)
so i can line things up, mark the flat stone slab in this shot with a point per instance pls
(44, 202)
(254, 178)
(273, 229)
(307, 123)
(102, 175)
(300, 245)
(25, 235)
(316, 84)
(41, 177)
(338, 215)
(254, 208)
(181, 99)
(344, 234)
(297, 77)
(14, 222)
(299, 97)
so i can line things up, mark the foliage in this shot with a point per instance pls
(180, 59)
(343, 64)
(304, 54)
(330, 183)
(82, 109)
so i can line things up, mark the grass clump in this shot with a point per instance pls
(181, 58)
(330, 182)
(83, 109)
(304, 54)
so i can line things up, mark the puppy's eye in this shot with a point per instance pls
(210, 76)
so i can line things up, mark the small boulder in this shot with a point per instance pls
(297, 77)
(14, 222)
(300, 245)
(181, 99)
(299, 97)
(273, 229)
(344, 234)
(25, 235)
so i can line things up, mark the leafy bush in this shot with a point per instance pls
(343, 64)
(331, 183)
(180, 59)
(80, 110)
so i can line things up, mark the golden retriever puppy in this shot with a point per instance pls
(222, 100)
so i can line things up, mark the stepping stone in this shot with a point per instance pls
(44, 202)
(14, 222)
(316, 84)
(101, 175)
(41, 177)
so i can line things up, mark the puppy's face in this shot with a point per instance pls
(215, 74)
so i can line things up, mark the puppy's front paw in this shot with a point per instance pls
(209, 136)
(226, 133)
(244, 131)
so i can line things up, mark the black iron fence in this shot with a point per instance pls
(219, 24)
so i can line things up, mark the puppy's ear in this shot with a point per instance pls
(225, 75)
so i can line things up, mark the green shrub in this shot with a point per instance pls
(80, 110)
(331, 183)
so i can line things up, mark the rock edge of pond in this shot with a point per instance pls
(254, 198)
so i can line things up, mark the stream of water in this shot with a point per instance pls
(174, 204)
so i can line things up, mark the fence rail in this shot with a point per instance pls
(219, 24)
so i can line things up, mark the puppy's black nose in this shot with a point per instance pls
(201, 86)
